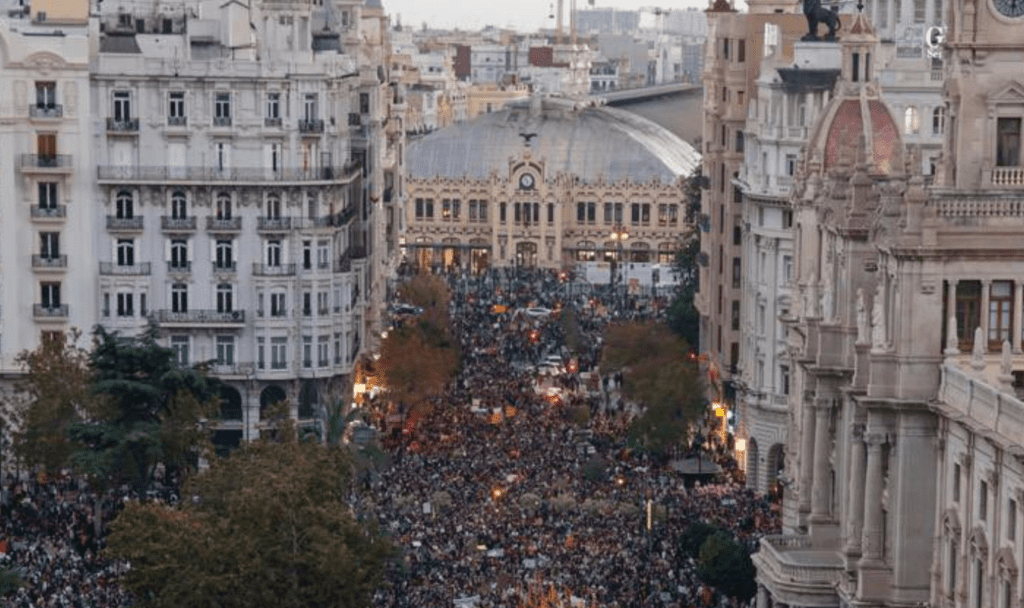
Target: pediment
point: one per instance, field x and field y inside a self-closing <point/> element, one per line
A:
<point x="1011" y="93"/>
<point x="45" y="61"/>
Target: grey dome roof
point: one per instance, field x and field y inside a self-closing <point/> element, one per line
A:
<point x="583" y="141"/>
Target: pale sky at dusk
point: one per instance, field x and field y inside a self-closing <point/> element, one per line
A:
<point x="524" y="15"/>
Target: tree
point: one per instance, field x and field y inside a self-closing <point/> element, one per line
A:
<point x="55" y="394"/>
<point x="726" y="565"/>
<point x="150" y="410"/>
<point x="693" y="538"/>
<point x="658" y="373"/>
<point x="682" y="314"/>
<point x="10" y="581"/>
<point x="570" y="321"/>
<point x="269" y="525"/>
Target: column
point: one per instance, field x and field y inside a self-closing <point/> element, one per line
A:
<point x="1018" y="305"/>
<point x="986" y="286"/>
<point x="856" y="516"/>
<point x="762" y="597"/>
<point x="806" y="457"/>
<point x="871" y="540"/>
<point x="951" y="314"/>
<point x="822" y="491"/>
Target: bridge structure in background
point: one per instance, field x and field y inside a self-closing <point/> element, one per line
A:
<point x="627" y="96"/>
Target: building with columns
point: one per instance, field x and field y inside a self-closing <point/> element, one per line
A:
<point x="546" y="183"/>
<point x="905" y="467"/>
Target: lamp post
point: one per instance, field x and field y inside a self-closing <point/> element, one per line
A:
<point x="620" y="234"/>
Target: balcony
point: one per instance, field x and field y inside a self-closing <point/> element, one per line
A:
<point x="49" y="213"/>
<point x="46" y="163"/>
<point x="49" y="262"/>
<point x="273" y="270"/>
<point x="50" y="311"/>
<point x="231" y="224"/>
<point x="51" y="111"/>
<point x="794" y="570"/>
<point x="177" y="224"/>
<point x="111" y="269"/>
<point x="182" y="267"/>
<point x="164" y="175"/>
<point x="311" y="126"/>
<point x="1008" y="177"/>
<point x="231" y="319"/>
<point x="177" y="121"/>
<point x="125" y="125"/>
<point x="222" y="121"/>
<point x="272" y="122"/>
<point x="225" y="267"/>
<point x="273" y="224"/>
<point x="124" y="224"/>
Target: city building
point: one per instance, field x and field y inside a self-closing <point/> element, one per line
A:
<point x="50" y="233"/>
<point x="904" y="481"/>
<point x="230" y="172"/>
<point x="553" y="183"/>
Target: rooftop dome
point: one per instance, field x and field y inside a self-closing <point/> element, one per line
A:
<point x="867" y="118"/>
<point x="579" y="139"/>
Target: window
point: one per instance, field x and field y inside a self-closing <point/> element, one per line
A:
<point x="956" y="482"/>
<point x="737" y="235"/>
<point x="224" y="297"/>
<point x="787" y="268"/>
<point x="983" y="501"/>
<point x="1000" y="306"/>
<point x="307" y="254"/>
<point x="223" y="156"/>
<point x="307" y="351"/>
<point x="483" y="210"/>
<point x="741" y="50"/>
<point x="106" y="304"/>
<point x="278" y="353"/>
<point x="46" y="146"/>
<point x="911" y="121"/>
<point x="47" y="195"/>
<point x="124" y="205"/>
<point x="791" y="165"/>
<point x="176" y="108"/>
<point x="125" y="252"/>
<point x="142" y="304"/>
<point x="179" y="205"/>
<point x="456" y="209"/>
<point x="122" y="106"/>
<point x="337" y="349"/>
<point x="551" y="213"/>
<point x="307" y="304"/>
<point x="273" y="207"/>
<point x="309" y="106"/>
<point x="501" y="212"/>
<point x="124" y="305"/>
<point x="787" y="218"/>
<point x="222" y="109"/>
<point x="735" y="314"/>
<point x="274" y="253"/>
<point x="736" y="275"/>
<point x="364" y="103"/>
<point x="618" y="213"/>
<point x="223" y="206"/>
<point x="322" y="307"/>
<point x="261" y="356"/>
<point x="277" y="304"/>
<point x="954" y="550"/>
<point x="430" y="209"/>
<point x="179" y="254"/>
<point x="179" y="297"/>
<point x="1011" y="519"/>
<point x="938" y="120"/>
<point x="179" y="344"/>
<point x="581" y="213"/>
<point x="855" y="67"/>
<point x="50" y="296"/>
<point x="446" y="209"/>
<point x="645" y="214"/>
<point x="419" y="209"/>
<point x="784" y="379"/>
<point x="273" y="105"/>
<point x="919" y="11"/>
<point x="49" y="245"/>
<point x="46" y="95"/>
<point x="979" y="582"/>
<point x="323" y="254"/>
<point x="1008" y="142"/>
<point x="223" y="250"/>
<point x="323" y="344"/>
<point x="225" y="350"/>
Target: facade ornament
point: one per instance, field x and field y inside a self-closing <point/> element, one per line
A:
<point x="811" y="297"/>
<point x="978" y="352"/>
<point x="952" y="343"/>
<point x="863" y="329"/>
<point x="878" y="319"/>
<point x="826" y="296"/>
<point x="1006" y="366"/>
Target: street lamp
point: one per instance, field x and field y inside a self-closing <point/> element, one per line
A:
<point x="620" y="234"/>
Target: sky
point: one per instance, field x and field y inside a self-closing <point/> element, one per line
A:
<point x="522" y="15"/>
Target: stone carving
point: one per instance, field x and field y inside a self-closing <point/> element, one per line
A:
<point x="1006" y="364"/>
<point x="952" y="343"/>
<point x="978" y="352"/>
<point x="863" y="329"/>
<point x="826" y="296"/>
<point x="815" y="14"/>
<point x="878" y="319"/>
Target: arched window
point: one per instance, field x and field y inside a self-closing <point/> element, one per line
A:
<point x="125" y="205"/>
<point x="223" y="206"/>
<point x="938" y="120"/>
<point x="273" y="207"/>
<point x="179" y="205"/>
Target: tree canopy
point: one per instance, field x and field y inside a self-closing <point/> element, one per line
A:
<point x="267" y="526"/>
<point x="658" y="373"/>
<point x="725" y="564"/>
<point x="149" y="410"/>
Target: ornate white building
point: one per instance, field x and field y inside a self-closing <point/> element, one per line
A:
<point x="230" y="171"/>
<point x="546" y="183"/>
<point x="905" y="469"/>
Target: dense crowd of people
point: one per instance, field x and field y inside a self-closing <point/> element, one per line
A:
<point x="502" y="488"/>
<point x="505" y="484"/>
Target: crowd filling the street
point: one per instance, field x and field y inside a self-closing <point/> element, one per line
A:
<point x="516" y="482"/>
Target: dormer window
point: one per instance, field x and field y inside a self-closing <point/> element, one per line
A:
<point x="1008" y="142"/>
